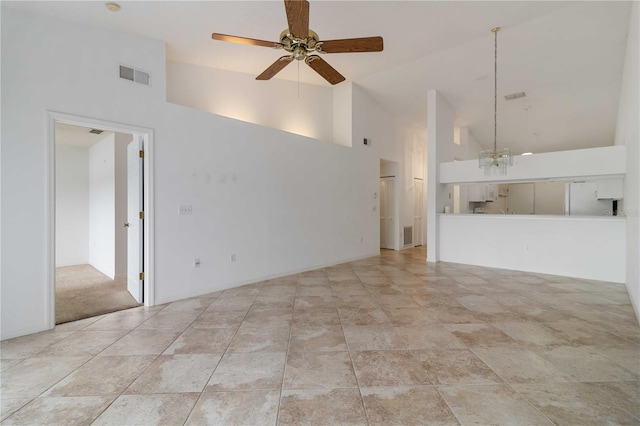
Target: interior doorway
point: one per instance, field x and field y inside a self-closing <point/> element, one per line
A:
<point x="388" y="205"/>
<point x="100" y="218"/>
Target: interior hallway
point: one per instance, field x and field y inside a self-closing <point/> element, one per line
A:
<point x="381" y="340"/>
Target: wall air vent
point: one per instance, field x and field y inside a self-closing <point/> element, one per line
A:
<point x="408" y="236"/>
<point x="96" y="131"/>
<point x="134" y="75"/>
<point x="515" y="96"/>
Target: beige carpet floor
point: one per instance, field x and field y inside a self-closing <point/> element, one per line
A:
<point x="82" y="292"/>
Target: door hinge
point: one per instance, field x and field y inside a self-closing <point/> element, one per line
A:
<point x="141" y="215"/>
<point x="141" y="154"/>
<point x="141" y="276"/>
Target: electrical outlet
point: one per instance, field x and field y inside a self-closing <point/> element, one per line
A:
<point x="233" y="257"/>
<point x="186" y="210"/>
<point x="196" y="263"/>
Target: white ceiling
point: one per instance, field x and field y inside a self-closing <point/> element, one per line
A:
<point x="567" y="56"/>
<point x="68" y="134"/>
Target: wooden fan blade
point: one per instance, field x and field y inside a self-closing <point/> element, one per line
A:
<point x="324" y="69"/>
<point x="298" y="17"/>
<point x="244" y="40"/>
<point x="275" y="68"/>
<point x="348" y="45"/>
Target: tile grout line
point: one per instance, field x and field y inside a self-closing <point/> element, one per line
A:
<point x="204" y="388"/>
<point x="151" y="363"/>
<point x="80" y="366"/>
<point x="286" y="356"/>
<point x="353" y="366"/>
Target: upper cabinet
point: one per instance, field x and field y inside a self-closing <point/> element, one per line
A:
<point x="610" y="189"/>
<point x="482" y="193"/>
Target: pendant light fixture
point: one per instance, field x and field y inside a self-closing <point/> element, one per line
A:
<point x="495" y="162"/>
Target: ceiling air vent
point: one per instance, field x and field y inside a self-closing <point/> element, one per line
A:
<point x="96" y="131"/>
<point x="515" y="96"/>
<point x="134" y="75"/>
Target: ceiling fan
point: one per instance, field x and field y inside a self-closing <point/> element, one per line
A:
<point x="301" y="43"/>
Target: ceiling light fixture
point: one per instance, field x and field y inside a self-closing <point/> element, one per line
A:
<point x="526" y="153"/>
<point x="113" y="7"/>
<point x="495" y="162"/>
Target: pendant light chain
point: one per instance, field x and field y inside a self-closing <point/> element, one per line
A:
<point x="494" y="161"/>
<point x="495" y="90"/>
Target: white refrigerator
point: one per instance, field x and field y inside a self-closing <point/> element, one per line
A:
<point x="581" y="199"/>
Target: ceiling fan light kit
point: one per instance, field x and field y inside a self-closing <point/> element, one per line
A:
<point x="495" y="162"/>
<point x="303" y="44"/>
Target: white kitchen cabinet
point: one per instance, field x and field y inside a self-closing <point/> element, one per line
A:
<point x="482" y="193"/>
<point x="492" y="192"/>
<point x="610" y="189"/>
<point x="477" y="193"/>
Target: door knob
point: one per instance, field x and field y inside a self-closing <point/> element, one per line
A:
<point x="126" y="225"/>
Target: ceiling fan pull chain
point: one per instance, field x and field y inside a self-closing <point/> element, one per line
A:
<point x="298" y="79"/>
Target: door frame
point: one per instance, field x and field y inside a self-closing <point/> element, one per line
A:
<point x="54" y="117"/>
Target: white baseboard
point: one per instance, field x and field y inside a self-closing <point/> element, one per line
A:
<point x="235" y="284"/>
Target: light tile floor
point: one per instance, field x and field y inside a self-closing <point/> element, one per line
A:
<point x="385" y="340"/>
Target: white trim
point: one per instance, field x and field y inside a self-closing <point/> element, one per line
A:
<point x="50" y="173"/>
<point x="50" y="224"/>
<point x="149" y="223"/>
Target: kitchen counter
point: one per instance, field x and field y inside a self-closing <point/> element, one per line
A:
<point x="589" y="247"/>
<point x="532" y="216"/>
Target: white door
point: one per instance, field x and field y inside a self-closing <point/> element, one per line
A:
<point x="135" y="236"/>
<point x="417" y="212"/>
<point x="387" y="197"/>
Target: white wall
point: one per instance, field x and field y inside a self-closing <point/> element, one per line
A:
<point x="440" y="146"/>
<point x="274" y="103"/>
<point x="627" y="134"/>
<point x="589" y="248"/>
<point x="520" y="199"/>
<point x="549" y="198"/>
<point x="467" y="149"/>
<point x="121" y="142"/>
<point x="392" y="140"/>
<point x="102" y="206"/>
<point x="69" y="67"/>
<point x="281" y="202"/>
<point x="72" y="205"/>
<point x="580" y="163"/>
<point x="343" y="113"/>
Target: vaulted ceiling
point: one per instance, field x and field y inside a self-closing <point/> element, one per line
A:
<point x="566" y="56"/>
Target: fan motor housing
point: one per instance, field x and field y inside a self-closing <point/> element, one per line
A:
<point x="299" y="47"/>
